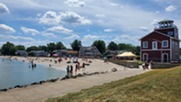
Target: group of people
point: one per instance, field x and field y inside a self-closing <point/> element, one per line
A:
<point x="147" y="65"/>
<point x="70" y="68"/>
<point x="33" y="65"/>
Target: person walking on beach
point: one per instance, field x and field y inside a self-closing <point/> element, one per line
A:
<point x="83" y="66"/>
<point x="71" y="70"/>
<point x="76" y="68"/>
<point x="68" y="71"/>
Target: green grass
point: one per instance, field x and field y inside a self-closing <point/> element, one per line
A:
<point x="161" y="85"/>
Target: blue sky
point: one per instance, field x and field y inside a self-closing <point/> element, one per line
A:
<point x="38" y="22"/>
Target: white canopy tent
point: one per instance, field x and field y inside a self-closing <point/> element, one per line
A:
<point x="126" y="54"/>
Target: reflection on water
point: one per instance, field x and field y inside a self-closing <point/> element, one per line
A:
<point x="13" y="72"/>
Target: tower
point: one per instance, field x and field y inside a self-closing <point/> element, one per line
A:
<point x="167" y="27"/>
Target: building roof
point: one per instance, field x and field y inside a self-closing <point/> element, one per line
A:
<point x="126" y="54"/>
<point x="158" y="33"/>
<point x="166" y="20"/>
<point x="89" y="51"/>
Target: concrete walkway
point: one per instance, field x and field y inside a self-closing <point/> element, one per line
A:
<point x="39" y="93"/>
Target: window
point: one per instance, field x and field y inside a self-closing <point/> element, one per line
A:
<point x="145" y="44"/>
<point x="165" y="43"/>
<point x="170" y="33"/>
<point x="154" y="45"/>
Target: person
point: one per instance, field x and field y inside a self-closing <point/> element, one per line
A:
<point x="150" y="64"/>
<point x="146" y="65"/>
<point x="71" y="70"/>
<point x="68" y="70"/>
<point x="50" y="65"/>
<point x="59" y="59"/>
<point x="83" y="65"/>
<point x="76" y="68"/>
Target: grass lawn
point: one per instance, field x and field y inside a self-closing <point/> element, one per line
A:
<point x="161" y="85"/>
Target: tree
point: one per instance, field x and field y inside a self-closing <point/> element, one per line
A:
<point x="42" y="47"/>
<point x="76" y="44"/>
<point x="122" y="46"/>
<point x="32" y="48"/>
<point x="51" y="47"/>
<point x="128" y="47"/>
<point x="137" y="50"/>
<point x="59" y="45"/>
<point x="100" y="44"/>
<point x="20" y="47"/>
<point x="112" y="46"/>
<point x="8" y="49"/>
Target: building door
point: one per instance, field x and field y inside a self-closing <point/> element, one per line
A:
<point x="165" y="57"/>
<point x="145" y="57"/>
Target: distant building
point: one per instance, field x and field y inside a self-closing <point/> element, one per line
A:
<point x="62" y="53"/>
<point x="110" y="53"/>
<point x="39" y="53"/>
<point x="21" y="53"/>
<point x="89" y="52"/>
<point x="162" y="44"/>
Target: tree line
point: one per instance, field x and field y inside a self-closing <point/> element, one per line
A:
<point x="9" y="48"/>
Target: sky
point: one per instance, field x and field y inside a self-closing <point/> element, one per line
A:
<point x="39" y="22"/>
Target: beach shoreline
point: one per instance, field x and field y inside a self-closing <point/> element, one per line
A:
<point x="93" y="65"/>
<point x="97" y="73"/>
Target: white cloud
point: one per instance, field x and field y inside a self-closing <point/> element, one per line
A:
<point x="170" y="8"/>
<point x="46" y="34"/>
<point x="20" y="38"/>
<point x="100" y="15"/>
<point x="154" y="22"/>
<point x="114" y="4"/>
<point x="30" y="30"/>
<point x="69" y="17"/>
<point x="145" y="29"/>
<point x="128" y="39"/>
<point x="3" y="8"/>
<point x="60" y="29"/>
<point x="74" y="18"/>
<point x="50" y="18"/>
<point x="108" y="30"/>
<point x="75" y="3"/>
<point x="6" y="28"/>
<point x="72" y="37"/>
<point x="88" y="39"/>
<point x="157" y="12"/>
<point x="37" y="42"/>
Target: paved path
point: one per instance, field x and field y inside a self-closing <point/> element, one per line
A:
<point x="39" y="93"/>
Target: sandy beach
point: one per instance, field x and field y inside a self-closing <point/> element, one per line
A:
<point x="38" y="93"/>
<point x="95" y="65"/>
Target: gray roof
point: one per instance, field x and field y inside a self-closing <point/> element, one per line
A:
<point x="165" y="20"/>
<point x="93" y="51"/>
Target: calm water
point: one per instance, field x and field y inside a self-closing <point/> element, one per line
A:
<point x="14" y="73"/>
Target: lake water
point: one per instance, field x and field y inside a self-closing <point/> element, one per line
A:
<point x="15" y="72"/>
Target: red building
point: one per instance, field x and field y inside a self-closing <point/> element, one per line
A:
<point x="162" y="44"/>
